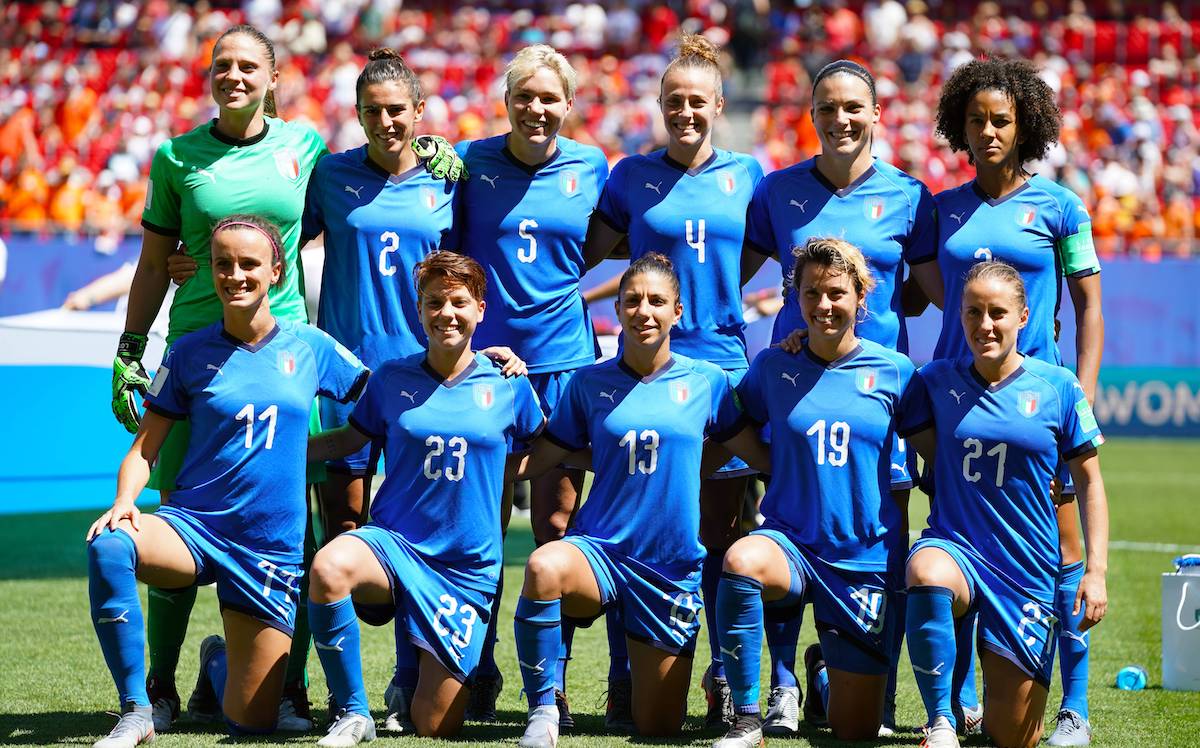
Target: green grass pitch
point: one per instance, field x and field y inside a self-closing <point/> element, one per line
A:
<point x="54" y="688"/>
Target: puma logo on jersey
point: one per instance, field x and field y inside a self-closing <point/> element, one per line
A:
<point x="958" y="396"/>
<point x="410" y="395"/>
<point x="213" y="367"/>
<point x="354" y="192"/>
<point x="609" y="395"/>
<point x="489" y="180"/>
<point x="790" y="377"/>
<point x="533" y="668"/>
<point x="798" y="204"/>
<point x="205" y="173"/>
<point x="935" y="671"/>
<point x="957" y="217"/>
<point x="732" y="652"/>
<point x="335" y="647"/>
<point x="656" y="187"/>
<point x="898" y="468"/>
<point x="1081" y="638"/>
<point x="122" y="618"/>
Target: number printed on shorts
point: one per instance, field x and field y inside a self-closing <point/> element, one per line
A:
<point x="460" y="636"/>
<point x="682" y="618"/>
<point x="1035" y="617"/>
<point x="974" y="449"/>
<point x="648" y="463"/>
<point x="285" y="578"/>
<point x="872" y="605"/>
<point x="452" y="453"/>
<point x="269" y="414"/>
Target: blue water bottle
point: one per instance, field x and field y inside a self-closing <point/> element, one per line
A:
<point x="1131" y="678"/>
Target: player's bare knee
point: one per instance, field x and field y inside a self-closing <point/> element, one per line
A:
<point x="544" y="573"/>
<point x="658" y="723"/>
<point x="433" y="724"/>
<point x="330" y="575"/>
<point x="744" y="560"/>
<point x="930" y="567"/>
<point x="853" y="728"/>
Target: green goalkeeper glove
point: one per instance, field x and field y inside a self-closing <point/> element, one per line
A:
<point x="440" y="159"/>
<point x="129" y="376"/>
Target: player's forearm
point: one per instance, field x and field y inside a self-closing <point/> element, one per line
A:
<point x="545" y="455"/>
<point x="1089" y="346"/>
<point x="1093" y="514"/>
<point x="133" y="475"/>
<point x="336" y="443"/>
<point x="146" y="294"/>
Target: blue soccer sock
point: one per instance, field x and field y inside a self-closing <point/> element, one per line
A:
<point x="335" y="634"/>
<point x="740" y="618"/>
<point x="822" y="679"/>
<point x="782" y="623"/>
<point x="216" y="667"/>
<point x="966" y="695"/>
<point x="487" y="658"/>
<point x="117" y="612"/>
<point x="930" y="625"/>
<point x="618" y="648"/>
<point x="1072" y="645"/>
<point x="408" y="662"/>
<point x="537" y="629"/>
<point x="710" y="580"/>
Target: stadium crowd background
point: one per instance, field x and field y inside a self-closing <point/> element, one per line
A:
<point x="89" y="88"/>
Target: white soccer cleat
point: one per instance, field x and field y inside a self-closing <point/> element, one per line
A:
<point x="783" y="711"/>
<point x="399" y="710"/>
<point x="746" y="732"/>
<point x="940" y="734"/>
<point x="542" y="729"/>
<point x="1072" y="729"/>
<point x="971" y="722"/>
<point x="351" y="728"/>
<point x="135" y="726"/>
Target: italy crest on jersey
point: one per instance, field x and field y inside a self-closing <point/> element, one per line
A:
<point x="873" y="208"/>
<point x="485" y="395"/>
<point x="287" y="363"/>
<point x="866" y="380"/>
<point x="287" y="163"/>
<point x="726" y="181"/>
<point x="428" y="198"/>
<point x="680" y="392"/>
<point x="568" y="183"/>
<point x="1027" y="403"/>
<point x="1026" y="216"/>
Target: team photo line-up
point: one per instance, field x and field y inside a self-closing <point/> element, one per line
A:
<point x="453" y="340"/>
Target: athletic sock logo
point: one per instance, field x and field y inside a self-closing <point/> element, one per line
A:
<point x="936" y="670"/>
<point x="732" y="652"/>
<point x="533" y="668"/>
<point x="335" y="647"/>
<point x="122" y="618"/>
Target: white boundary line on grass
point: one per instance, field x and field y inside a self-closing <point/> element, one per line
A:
<point x="1136" y="545"/>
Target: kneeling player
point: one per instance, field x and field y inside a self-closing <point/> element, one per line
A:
<point x="635" y="541"/>
<point x="431" y="555"/>
<point x="830" y="517"/>
<point x="1001" y="422"/>
<point x="246" y="384"/>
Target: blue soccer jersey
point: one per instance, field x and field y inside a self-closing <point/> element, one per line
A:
<point x="646" y="435"/>
<point x="249" y="406"/>
<point x="446" y="442"/>
<point x="998" y="447"/>
<point x="1041" y="229"/>
<point x="885" y="213"/>
<point x="526" y="225"/>
<point x="697" y="218"/>
<point x="377" y="227"/>
<point x="832" y="427"/>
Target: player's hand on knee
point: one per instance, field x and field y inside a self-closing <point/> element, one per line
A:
<point x="511" y="365"/>
<point x="181" y="266"/>
<point x="129" y="377"/>
<point x="121" y="510"/>
<point x="1092" y="599"/>
<point x="439" y="158"/>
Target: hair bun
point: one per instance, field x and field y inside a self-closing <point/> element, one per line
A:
<point x="383" y="53"/>
<point x="697" y="45"/>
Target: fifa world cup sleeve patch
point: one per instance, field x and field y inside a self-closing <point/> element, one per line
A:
<point x="160" y="379"/>
<point x="1079" y="252"/>
<point x="149" y="192"/>
<point x="1087" y="418"/>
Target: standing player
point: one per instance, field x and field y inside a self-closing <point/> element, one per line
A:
<point x="689" y="201"/>
<point x="1001" y="424"/>
<point x="524" y="217"/>
<point x="1003" y="115"/>
<point x="448" y="419"/>
<point x="847" y="193"/>
<point x="247" y="383"/>
<point x="634" y="544"/>
<point x="831" y="409"/>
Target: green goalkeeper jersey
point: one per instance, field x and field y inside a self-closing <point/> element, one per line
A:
<point x="199" y="178"/>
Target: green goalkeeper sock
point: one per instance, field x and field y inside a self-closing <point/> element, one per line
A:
<point x="166" y="627"/>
